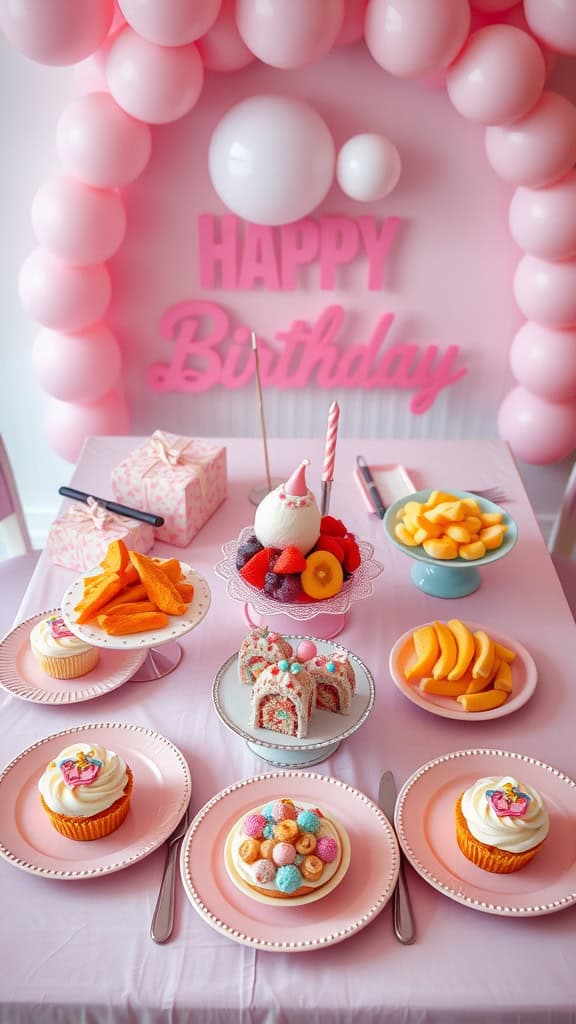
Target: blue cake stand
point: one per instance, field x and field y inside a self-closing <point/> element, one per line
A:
<point x="456" y="577"/>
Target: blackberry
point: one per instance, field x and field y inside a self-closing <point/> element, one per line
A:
<point x="245" y="551"/>
<point x="284" y="588"/>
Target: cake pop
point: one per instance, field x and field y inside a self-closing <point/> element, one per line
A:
<point x="289" y="515"/>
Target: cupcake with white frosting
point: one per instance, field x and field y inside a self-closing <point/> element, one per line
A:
<point x="60" y="653"/>
<point x="86" y="791"/>
<point x="501" y="823"/>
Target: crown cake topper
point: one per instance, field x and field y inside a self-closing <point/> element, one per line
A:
<point x="508" y="802"/>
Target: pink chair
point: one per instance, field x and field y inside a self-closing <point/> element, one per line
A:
<point x="17" y="557"/>
<point x="563" y="539"/>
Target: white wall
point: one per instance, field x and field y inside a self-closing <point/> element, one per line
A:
<point x="32" y="99"/>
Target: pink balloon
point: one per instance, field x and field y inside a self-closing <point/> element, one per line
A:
<point x="416" y="37"/>
<point x="56" y="31"/>
<point x="554" y="22"/>
<point x="77" y="223"/>
<point x="517" y="18"/>
<point x="170" y="22"/>
<point x="538" y="149"/>
<point x="543" y="220"/>
<point x="539" y="432"/>
<point x="544" y="361"/>
<point x="289" y="35"/>
<point x="153" y="83"/>
<point x="67" y="425"/>
<point x="498" y="76"/>
<point x="222" y="48"/>
<point x="271" y="159"/>
<point x="493" y="6"/>
<point x="100" y="143"/>
<point x="79" y="367"/>
<point x="352" y="29"/>
<point x="61" y="296"/>
<point x="546" y="292"/>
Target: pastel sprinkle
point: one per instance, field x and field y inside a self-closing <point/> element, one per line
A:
<point x="326" y="849"/>
<point x="288" y="878"/>
<point x="254" y="825"/>
<point x="307" y="821"/>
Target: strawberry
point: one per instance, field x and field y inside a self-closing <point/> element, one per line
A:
<point x="352" y="557"/>
<point x="333" y="527"/>
<point x="256" y="567"/>
<point x="290" y="560"/>
<point x="326" y="542"/>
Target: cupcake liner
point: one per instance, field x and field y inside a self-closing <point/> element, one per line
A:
<point x="489" y="858"/>
<point x="98" y="825"/>
<point x="70" y="666"/>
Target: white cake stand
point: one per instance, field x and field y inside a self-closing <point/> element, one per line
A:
<point x="327" y="617"/>
<point x="163" y="651"/>
<point x="326" y="731"/>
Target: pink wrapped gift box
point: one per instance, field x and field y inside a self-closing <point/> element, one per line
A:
<point x="79" y="539"/>
<point x="180" y="478"/>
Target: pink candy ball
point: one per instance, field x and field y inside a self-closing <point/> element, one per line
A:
<point x="263" y="871"/>
<point x="283" y="853"/>
<point x="326" y="849"/>
<point x="306" y="650"/>
<point x="283" y="811"/>
<point x="254" y="825"/>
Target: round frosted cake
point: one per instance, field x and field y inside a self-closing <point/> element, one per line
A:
<point x="86" y="791"/>
<point x="60" y="653"/>
<point x="285" y="850"/>
<point x="501" y="823"/>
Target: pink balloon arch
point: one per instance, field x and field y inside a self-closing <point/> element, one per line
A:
<point x="141" y="63"/>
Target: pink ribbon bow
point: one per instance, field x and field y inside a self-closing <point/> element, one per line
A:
<point x="92" y="514"/>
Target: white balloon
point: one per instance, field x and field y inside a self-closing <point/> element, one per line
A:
<point x="368" y="167"/>
<point x="271" y="159"/>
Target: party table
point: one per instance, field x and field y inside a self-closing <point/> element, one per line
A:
<point x="80" y="952"/>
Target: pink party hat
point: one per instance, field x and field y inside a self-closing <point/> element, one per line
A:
<point x="296" y="485"/>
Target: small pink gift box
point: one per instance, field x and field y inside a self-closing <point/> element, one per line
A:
<point x="180" y="478"/>
<point x="79" y="539"/>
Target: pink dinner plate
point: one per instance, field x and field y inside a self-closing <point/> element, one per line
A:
<point x="360" y="896"/>
<point x="160" y="796"/>
<point x="22" y="676"/>
<point x="177" y="626"/>
<point x="524" y="679"/>
<point x="424" y="819"/>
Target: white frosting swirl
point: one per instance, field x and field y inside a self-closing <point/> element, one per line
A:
<point x="45" y="644"/>
<point x="84" y="800"/>
<point x="516" y="834"/>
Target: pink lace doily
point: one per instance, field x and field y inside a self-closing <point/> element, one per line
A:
<point x="360" y="586"/>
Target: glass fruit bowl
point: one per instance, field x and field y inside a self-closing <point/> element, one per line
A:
<point x="454" y="577"/>
<point x="329" y="613"/>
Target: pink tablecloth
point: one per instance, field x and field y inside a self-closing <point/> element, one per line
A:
<point x="80" y="952"/>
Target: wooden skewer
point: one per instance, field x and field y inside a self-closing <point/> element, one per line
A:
<point x="261" y="408"/>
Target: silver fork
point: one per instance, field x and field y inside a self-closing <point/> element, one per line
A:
<point x="163" y="917"/>
<point x="494" y="494"/>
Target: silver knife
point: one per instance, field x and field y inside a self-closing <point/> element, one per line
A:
<point x="163" y="918"/>
<point x="402" y="910"/>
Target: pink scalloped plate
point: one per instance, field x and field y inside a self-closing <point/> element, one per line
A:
<point x="22" y="676"/>
<point x="359" y="587"/>
<point x="424" y="819"/>
<point x="523" y="668"/>
<point x="358" y="899"/>
<point x="160" y="796"/>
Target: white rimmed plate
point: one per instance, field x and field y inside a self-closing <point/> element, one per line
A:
<point x="22" y="676"/>
<point x="426" y="830"/>
<point x="232" y="702"/>
<point x="160" y="796"/>
<point x="524" y="679"/>
<point x="178" y="624"/>
<point x="355" y="902"/>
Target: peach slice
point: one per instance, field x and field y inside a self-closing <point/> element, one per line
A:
<point x="323" y="576"/>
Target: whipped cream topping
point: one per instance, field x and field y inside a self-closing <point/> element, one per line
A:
<point x="105" y="780"/>
<point x="44" y="642"/>
<point x="503" y="812"/>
